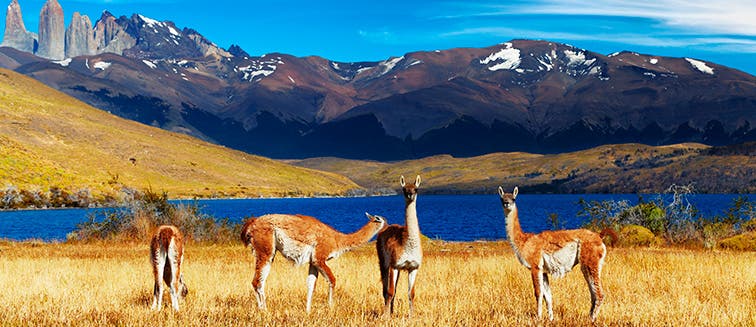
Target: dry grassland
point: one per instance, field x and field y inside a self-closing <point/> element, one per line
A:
<point x="460" y="284"/>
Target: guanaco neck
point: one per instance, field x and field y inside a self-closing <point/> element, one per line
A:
<point x="361" y="236"/>
<point x="410" y="220"/>
<point x="514" y="232"/>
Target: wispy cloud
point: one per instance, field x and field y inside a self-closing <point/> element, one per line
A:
<point x="702" y="16"/>
<point x="699" y="16"/>
<point x="707" y="25"/>
<point x="722" y="43"/>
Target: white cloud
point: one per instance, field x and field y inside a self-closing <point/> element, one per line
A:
<point x="700" y="16"/>
<point x="713" y="43"/>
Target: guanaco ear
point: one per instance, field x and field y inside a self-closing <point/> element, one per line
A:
<point x="401" y="181"/>
<point x="501" y="191"/>
<point x="514" y="193"/>
<point x="417" y="181"/>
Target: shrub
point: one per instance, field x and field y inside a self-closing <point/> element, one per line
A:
<point x="602" y="214"/>
<point x="743" y="242"/>
<point x="713" y="232"/>
<point x="648" y="215"/>
<point x="635" y="235"/>
<point x="10" y="197"/>
<point x="147" y="210"/>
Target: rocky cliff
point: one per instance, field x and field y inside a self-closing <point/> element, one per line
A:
<point x="80" y="37"/>
<point x="110" y="35"/>
<point x="52" y="31"/>
<point x="16" y="35"/>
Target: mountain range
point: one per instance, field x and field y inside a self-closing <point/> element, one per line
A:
<point x="522" y="95"/>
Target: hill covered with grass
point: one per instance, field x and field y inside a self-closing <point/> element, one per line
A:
<point x="623" y="168"/>
<point x="51" y="141"/>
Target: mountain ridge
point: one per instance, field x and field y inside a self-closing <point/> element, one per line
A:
<point x="616" y="168"/>
<point x="549" y="97"/>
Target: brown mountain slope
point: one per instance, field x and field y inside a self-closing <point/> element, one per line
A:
<point x="48" y="139"/>
<point x="623" y="168"/>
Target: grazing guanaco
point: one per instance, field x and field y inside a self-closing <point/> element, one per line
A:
<point x="555" y="253"/>
<point x="166" y="256"/>
<point x="301" y="239"/>
<point x="399" y="248"/>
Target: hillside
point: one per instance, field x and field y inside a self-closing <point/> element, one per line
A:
<point x="48" y="139"/>
<point x="623" y="168"/>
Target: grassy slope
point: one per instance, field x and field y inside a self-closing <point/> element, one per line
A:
<point x="611" y="168"/>
<point x="460" y="284"/>
<point x="50" y="139"/>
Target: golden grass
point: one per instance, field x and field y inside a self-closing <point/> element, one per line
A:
<point x="460" y="284"/>
<point x="50" y="139"/>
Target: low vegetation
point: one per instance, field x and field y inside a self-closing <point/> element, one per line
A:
<point x="672" y="219"/>
<point x="620" y="168"/>
<point x="144" y="211"/>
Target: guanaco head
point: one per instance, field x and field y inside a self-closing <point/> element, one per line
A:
<point x="377" y="220"/>
<point x="246" y="231"/>
<point x="409" y="190"/>
<point x="508" y="199"/>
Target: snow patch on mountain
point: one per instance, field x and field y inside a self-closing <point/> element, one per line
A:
<point x="388" y="65"/>
<point x="64" y="62"/>
<point x="701" y="66"/>
<point x="359" y="71"/>
<point x="149" y="63"/>
<point x="259" y="68"/>
<point x="173" y="31"/>
<point x="414" y="62"/>
<point x="150" y="22"/>
<point x="577" y="58"/>
<point x="546" y="62"/>
<point x="509" y="57"/>
<point x="103" y="65"/>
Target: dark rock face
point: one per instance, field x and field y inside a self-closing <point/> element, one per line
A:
<point x="80" y="37"/>
<point x="16" y="35"/>
<point x="110" y="35"/>
<point x="52" y="31"/>
<point x="237" y="51"/>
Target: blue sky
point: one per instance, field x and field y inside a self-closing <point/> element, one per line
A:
<point x="722" y="32"/>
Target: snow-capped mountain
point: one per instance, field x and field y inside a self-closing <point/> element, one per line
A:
<point x="522" y="95"/>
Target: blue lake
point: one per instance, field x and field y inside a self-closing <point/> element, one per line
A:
<point x="447" y="217"/>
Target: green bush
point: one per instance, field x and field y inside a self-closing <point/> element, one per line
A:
<point x="648" y="215"/>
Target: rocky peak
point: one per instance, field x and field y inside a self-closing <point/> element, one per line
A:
<point x="16" y="35"/>
<point x="80" y="37"/>
<point x="52" y="31"/>
<point x="206" y="47"/>
<point x="110" y="35"/>
<point x="237" y="51"/>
